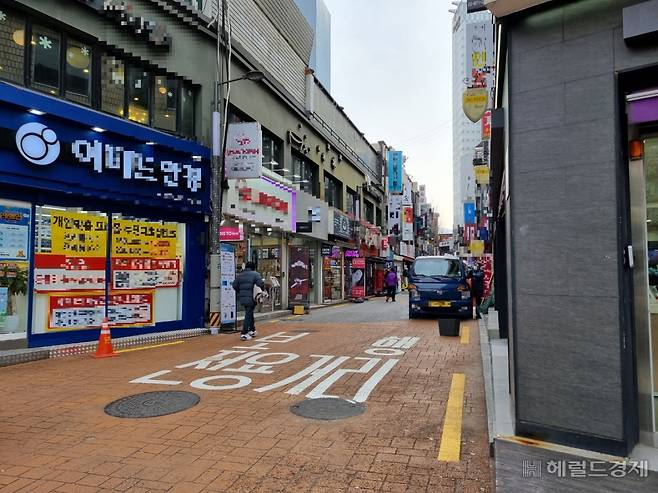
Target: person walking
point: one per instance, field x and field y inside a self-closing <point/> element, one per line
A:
<point x="244" y="287"/>
<point x="477" y="287"/>
<point x="391" y="282"/>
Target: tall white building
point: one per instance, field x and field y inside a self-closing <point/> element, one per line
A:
<point x="465" y="134"/>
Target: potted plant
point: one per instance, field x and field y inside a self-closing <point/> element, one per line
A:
<point x="15" y="280"/>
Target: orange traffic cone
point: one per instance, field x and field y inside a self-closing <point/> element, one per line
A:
<point x="105" y="342"/>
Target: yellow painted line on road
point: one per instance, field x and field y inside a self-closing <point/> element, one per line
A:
<point x="149" y="347"/>
<point x="294" y="317"/>
<point x="465" y="334"/>
<point x="451" y="438"/>
<point x="274" y="321"/>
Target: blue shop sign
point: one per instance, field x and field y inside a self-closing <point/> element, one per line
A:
<point x="71" y="149"/>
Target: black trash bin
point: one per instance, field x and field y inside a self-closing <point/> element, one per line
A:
<point x="449" y="326"/>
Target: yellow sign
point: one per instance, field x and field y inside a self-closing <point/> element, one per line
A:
<point x="143" y="239"/>
<point x="477" y="247"/>
<point x="78" y="235"/>
<point x="481" y="174"/>
<point x="475" y="102"/>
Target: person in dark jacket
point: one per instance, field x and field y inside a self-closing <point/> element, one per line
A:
<point x="477" y="287"/>
<point x="244" y="287"/>
<point x="391" y="282"/>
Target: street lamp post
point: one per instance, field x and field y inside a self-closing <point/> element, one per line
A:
<point x="217" y="169"/>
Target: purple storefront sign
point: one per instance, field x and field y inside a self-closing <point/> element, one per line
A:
<point x="643" y="110"/>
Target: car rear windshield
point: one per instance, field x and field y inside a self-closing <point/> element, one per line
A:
<point x="433" y="267"/>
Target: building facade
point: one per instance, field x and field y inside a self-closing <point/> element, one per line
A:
<point x="105" y="189"/>
<point x="574" y="181"/>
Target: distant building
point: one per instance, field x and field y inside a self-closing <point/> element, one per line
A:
<point x="465" y="134"/>
<point x="319" y="18"/>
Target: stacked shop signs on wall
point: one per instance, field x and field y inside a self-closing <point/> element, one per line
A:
<point x="243" y="157"/>
<point x="479" y="69"/>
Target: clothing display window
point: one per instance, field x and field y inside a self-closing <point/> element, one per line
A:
<point x="332" y="268"/>
<point x="266" y="253"/>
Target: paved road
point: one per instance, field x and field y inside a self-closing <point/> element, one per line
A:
<point x="55" y="436"/>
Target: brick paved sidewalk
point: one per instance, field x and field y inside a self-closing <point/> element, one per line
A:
<point x="54" y="435"/>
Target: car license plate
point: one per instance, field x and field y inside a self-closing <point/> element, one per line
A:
<point x="439" y="304"/>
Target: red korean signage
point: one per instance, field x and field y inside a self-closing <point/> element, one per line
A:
<point x="247" y="194"/>
<point x="227" y="233"/>
<point x="68" y="311"/>
<point x="63" y="273"/>
<point x="145" y="273"/>
<point x="486" y="125"/>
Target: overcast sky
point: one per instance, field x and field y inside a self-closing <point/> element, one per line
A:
<point x="391" y="70"/>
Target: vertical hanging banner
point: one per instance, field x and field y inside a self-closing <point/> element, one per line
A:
<point x="227" y="276"/>
<point x="480" y="53"/>
<point x="14" y="232"/>
<point x="408" y="193"/>
<point x="358" y="283"/>
<point x="394" y="214"/>
<point x="486" y="125"/>
<point x="407" y="223"/>
<point x="78" y="235"/>
<point x="243" y="157"/>
<point x="481" y="174"/>
<point x="395" y="175"/>
<point x="299" y="274"/>
<point x="469" y="213"/>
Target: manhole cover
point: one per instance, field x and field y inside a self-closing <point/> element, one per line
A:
<point x="327" y="408"/>
<point x="151" y="404"/>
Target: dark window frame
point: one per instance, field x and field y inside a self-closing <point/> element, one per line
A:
<point x="337" y="201"/>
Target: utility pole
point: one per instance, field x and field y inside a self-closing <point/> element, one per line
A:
<point x="217" y="170"/>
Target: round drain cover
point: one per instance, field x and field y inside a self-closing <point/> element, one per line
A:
<point x="151" y="404"/>
<point x="327" y="408"/>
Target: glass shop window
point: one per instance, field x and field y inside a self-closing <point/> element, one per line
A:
<point x="139" y="108"/>
<point x="70" y="249"/>
<point x="147" y="261"/>
<point x="187" y="110"/>
<point x="305" y="174"/>
<point x="45" y="73"/>
<point x="352" y="202"/>
<point x="112" y="85"/>
<point x="78" y="72"/>
<point x="333" y="192"/>
<point x="12" y="43"/>
<point x="165" y="103"/>
<point x="272" y="154"/>
<point x="370" y="212"/>
<point x="15" y="221"/>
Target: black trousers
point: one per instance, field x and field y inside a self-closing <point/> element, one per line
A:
<point x="249" y="324"/>
<point x="477" y="297"/>
<point x="390" y="292"/>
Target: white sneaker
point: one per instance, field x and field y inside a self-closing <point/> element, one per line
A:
<point x="245" y="337"/>
<point x="252" y="333"/>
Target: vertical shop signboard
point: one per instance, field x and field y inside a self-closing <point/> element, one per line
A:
<point x="407" y="224"/>
<point x="299" y="274"/>
<point x="228" y="303"/>
<point x="395" y="174"/>
<point x="394" y="213"/>
<point x="358" y="278"/>
<point x="244" y="150"/>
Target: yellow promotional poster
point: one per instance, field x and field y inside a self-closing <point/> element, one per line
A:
<point x="477" y="247"/>
<point x="482" y="174"/>
<point x="474" y="103"/>
<point x="143" y="239"/>
<point x="78" y="235"/>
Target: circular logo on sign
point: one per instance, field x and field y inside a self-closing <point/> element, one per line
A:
<point x="37" y="143"/>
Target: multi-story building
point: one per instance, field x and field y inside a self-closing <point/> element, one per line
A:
<point x="574" y="160"/>
<point x="319" y="18"/>
<point x="465" y="134"/>
<point x="105" y="181"/>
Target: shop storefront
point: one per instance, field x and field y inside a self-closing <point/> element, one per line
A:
<point x="261" y="214"/>
<point x="337" y="266"/>
<point x="99" y="217"/>
<point x="369" y="248"/>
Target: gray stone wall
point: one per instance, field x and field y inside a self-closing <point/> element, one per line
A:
<point x="564" y="214"/>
